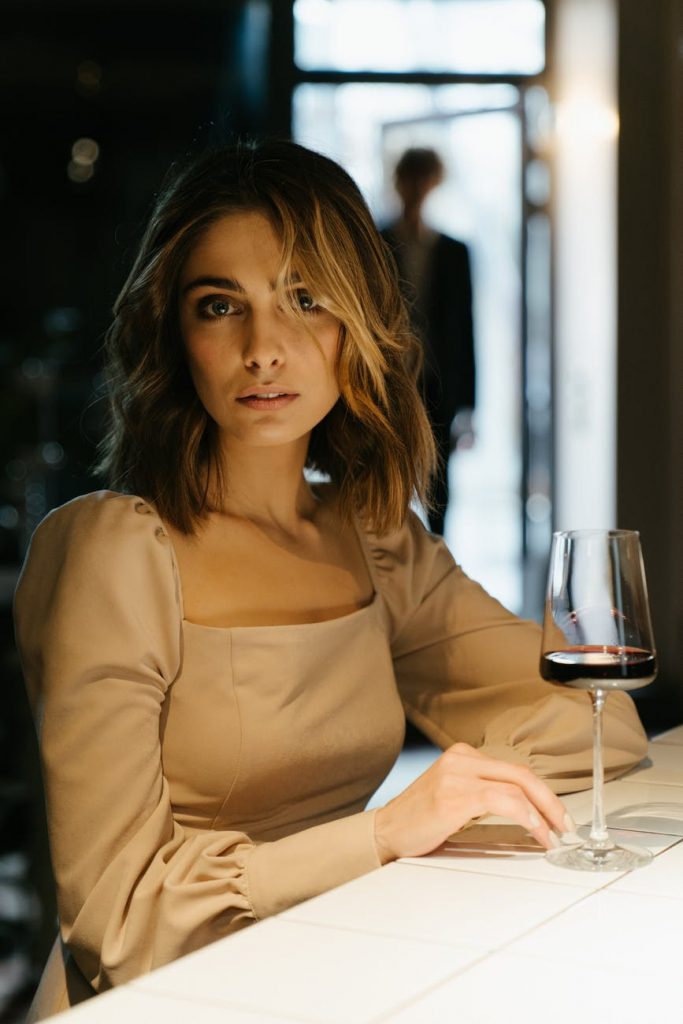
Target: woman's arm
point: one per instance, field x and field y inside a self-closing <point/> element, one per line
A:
<point x="467" y="670"/>
<point x="99" y="633"/>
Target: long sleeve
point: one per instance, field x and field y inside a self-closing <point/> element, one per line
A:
<point x="467" y="669"/>
<point x="99" y="631"/>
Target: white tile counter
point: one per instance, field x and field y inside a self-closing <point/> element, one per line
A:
<point x="467" y="939"/>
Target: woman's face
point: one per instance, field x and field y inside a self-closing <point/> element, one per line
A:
<point x="258" y="373"/>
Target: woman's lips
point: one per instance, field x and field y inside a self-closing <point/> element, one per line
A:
<point x="267" y="401"/>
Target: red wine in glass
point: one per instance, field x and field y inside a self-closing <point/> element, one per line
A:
<point x="597" y="636"/>
<point x="595" y="666"/>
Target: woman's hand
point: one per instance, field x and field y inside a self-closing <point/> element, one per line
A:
<point x="464" y="784"/>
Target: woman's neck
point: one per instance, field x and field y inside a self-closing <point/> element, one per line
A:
<point x="267" y="487"/>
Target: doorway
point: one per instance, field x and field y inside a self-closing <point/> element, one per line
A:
<point x="479" y="131"/>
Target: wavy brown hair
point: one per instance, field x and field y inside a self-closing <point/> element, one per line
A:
<point x="375" y="445"/>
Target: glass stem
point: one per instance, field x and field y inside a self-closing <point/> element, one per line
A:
<point x="599" y="836"/>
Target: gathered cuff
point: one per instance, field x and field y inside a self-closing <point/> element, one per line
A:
<point x="305" y="864"/>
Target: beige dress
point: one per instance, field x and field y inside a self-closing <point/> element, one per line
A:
<point x="198" y="779"/>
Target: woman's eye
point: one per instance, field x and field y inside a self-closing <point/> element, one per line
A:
<point x="306" y="302"/>
<point x="212" y="308"/>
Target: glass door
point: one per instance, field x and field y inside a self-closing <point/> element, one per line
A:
<point x="479" y="202"/>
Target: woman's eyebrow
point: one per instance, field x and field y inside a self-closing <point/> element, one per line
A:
<point x="228" y="283"/>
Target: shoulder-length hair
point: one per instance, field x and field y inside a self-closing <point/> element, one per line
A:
<point x="375" y="445"/>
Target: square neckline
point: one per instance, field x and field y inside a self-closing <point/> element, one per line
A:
<point x="371" y="605"/>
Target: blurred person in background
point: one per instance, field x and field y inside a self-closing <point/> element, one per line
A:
<point x="436" y="279"/>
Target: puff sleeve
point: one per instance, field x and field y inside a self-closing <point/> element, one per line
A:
<point x="99" y="631"/>
<point x="467" y="670"/>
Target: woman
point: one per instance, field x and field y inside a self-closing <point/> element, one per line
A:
<point x="220" y="654"/>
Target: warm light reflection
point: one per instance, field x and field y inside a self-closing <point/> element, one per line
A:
<point x="585" y="176"/>
<point x="584" y="117"/>
<point x="81" y="167"/>
<point x="85" y="151"/>
<point x="79" y="173"/>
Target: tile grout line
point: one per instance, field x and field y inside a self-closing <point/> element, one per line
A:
<point x="221" y="1004"/>
<point x="383" y="935"/>
<point x="491" y="953"/>
<point x="488" y="874"/>
<point x="487" y="954"/>
<point x="506" y="945"/>
<point x="639" y="831"/>
<point x="431" y="988"/>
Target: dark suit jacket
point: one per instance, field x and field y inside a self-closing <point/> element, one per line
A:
<point x="444" y="322"/>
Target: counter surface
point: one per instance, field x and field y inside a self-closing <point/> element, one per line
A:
<point x="480" y="939"/>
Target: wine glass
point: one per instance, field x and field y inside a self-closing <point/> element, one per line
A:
<point x="597" y="636"/>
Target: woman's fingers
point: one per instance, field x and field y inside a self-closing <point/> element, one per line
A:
<point x="547" y="804"/>
<point x="509" y="801"/>
<point x="463" y="784"/>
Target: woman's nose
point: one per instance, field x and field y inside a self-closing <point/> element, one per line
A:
<point x="263" y="343"/>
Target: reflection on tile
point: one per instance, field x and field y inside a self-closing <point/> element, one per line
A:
<point x="637" y="806"/>
<point x="663" y="766"/>
<point x="618" y="930"/>
<point x="536" y="867"/>
<point x="663" y="877"/>
<point x="506" y="987"/>
<point x="307" y="973"/>
<point x="645" y="807"/>
<point x="432" y="905"/>
<point x="655" y="842"/>
<point x="673" y="736"/>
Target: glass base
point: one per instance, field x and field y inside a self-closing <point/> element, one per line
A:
<point x="587" y="857"/>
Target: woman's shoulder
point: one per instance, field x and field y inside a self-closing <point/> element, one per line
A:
<point x="99" y="565"/>
<point x="105" y="527"/>
<point x="410" y="540"/>
<point x="409" y="556"/>
<point x="117" y="514"/>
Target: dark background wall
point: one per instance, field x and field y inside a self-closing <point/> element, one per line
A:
<point x="650" y="317"/>
<point x="146" y="81"/>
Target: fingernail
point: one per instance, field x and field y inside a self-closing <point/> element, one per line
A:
<point x="554" y="839"/>
<point x="570" y="838"/>
<point x="569" y="823"/>
<point x="534" y="820"/>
